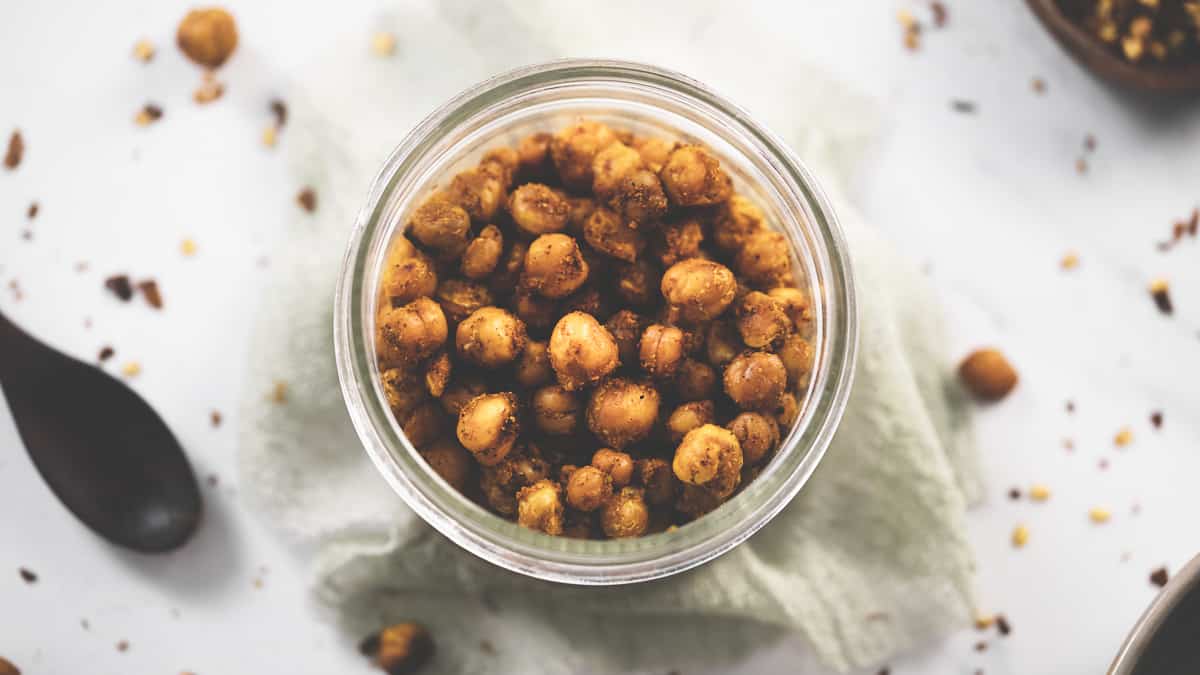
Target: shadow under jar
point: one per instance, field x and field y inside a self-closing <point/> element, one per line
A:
<point x="644" y="100"/>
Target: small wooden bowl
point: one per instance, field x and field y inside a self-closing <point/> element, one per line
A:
<point x="1096" y="57"/>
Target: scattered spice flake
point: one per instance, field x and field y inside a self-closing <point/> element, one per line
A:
<point x="1126" y="556"/>
<point x="149" y="114"/>
<point x="262" y="262"/>
<point x="131" y="369"/>
<point x="1102" y="464"/>
<point x="1069" y="261"/>
<point x="1081" y="166"/>
<point x="1014" y="494"/>
<point x="1068" y="445"/>
<point x="963" y="106"/>
<point x="1070" y="407"/>
<point x="878" y="616"/>
<point x="1003" y="625"/>
<point x="270" y="136"/>
<point x="280" y="111"/>
<point x="1135" y="509"/>
<point x="1039" y="493"/>
<point x="149" y="289"/>
<point x="279" y="392"/>
<point x="307" y="199"/>
<point x="27" y="575"/>
<point x="85" y="624"/>
<point x="487" y="647"/>
<point x="215" y="418"/>
<point x="81" y="266"/>
<point x="258" y="583"/>
<point x="106" y="353"/>
<point x="984" y="621"/>
<point x="143" y="50"/>
<point x="1193" y="223"/>
<point x="15" y="287"/>
<point x="16" y="150"/>
<point x="383" y="44"/>
<point x="1099" y="515"/>
<point x="939" y="13"/>
<point x="912" y="30"/>
<point x="32" y="211"/>
<point x="212" y="480"/>
<point x="1162" y="298"/>
<point x="1020" y="536"/>
<point x="1124" y="437"/>
<point x="1089" y="143"/>
<point x="87" y="323"/>
<point x="209" y="90"/>
<point x="123" y="646"/>
<point x="1159" y="577"/>
<point x="1039" y="85"/>
<point x="981" y="646"/>
<point x="187" y="247"/>
<point x="27" y="235"/>
<point x="1156" y="419"/>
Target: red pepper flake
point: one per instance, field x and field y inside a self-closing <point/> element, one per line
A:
<point x="81" y="266"/>
<point x="1193" y="224"/>
<point x="32" y="211"/>
<point x="1081" y="166"/>
<point x="1068" y="445"/>
<point x="939" y="13"/>
<point x="1089" y="143"/>
<point x="213" y="480"/>
<point x="1002" y="624"/>
<point x="1102" y="464"/>
<point x="1014" y="494"/>
<point x="307" y="199"/>
<point x="1039" y="85"/>
<point x="15" y="287"/>
<point x="106" y="353"/>
<point x="85" y="624"/>
<point x="215" y="418"/>
<point x="1159" y="577"/>
<point x="1156" y="419"/>
<point x="27" y="235"/>
<point x="27" y="575"/>
<point x="123" y="646"/>
<point x="1070" y="407"/>
<point x="16" y="150"/>
<point x="1162" y="298"/>
<point x="120" y="286"/>
<point x="981" y="646"/>
<point x="149" y="289"/>
<point x="963" y="106"/>
<point x="280" y="111"/>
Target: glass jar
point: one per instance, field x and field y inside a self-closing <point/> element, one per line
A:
<point x="643" y="99"/>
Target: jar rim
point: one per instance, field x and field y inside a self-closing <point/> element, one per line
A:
<point x="559" y="559"/>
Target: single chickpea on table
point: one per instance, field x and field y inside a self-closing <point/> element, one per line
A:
<point x="592" y="334"/>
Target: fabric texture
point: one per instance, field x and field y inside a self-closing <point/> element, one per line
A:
<point x="870" y="559"/>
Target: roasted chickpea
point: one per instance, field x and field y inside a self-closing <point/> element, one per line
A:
<point x="207" y="36"/>
<point x="501" y="483"/>
<point x="459" y="392"/>
<point x="507" y="275"/>
<point x="677" y="240"/>
<point x="693" y="177"/>
<point x="581" y="209"/>
<point x="755" y="380"/>
<point x="479" y="191"/>
<point x="787" y="411"/>
<point x="618" y="465"/>
<point x="588" y="488"/>
<point x="488" y="426"/>
<point x="587" y="300"/>
<point x="626" y="328"/>
<point x="410" y="333"/>
<point x="639" y="198"/>
<point x="423" y="424"/>
<point x="400" y="648"/>
<point x="403" y="391"/>
<point x="654" y="151"/>
<point x="408" y="274"/>
<point x="459" y="299"/>
<point x="533" y="367"/>
<point x="441" y="225"/>
<point x="451" y="461"/>
<point x="695" y="501"/>
<point x="709" y="457"/>
<point x="689" y="416"/>
<point x="638" y="283"/>
<point x="491" y="337"/>
<point x="502" y="157"/>
<point x="539" y="507"/>
<point x="764" y="259"/>
<point x="536" y="311"/>
<point x="797" y="356"/>
<point x="661" y="350"/>
<point x="722" y="343"/>
<point x="605" y="232"/>
<point x="610" y="166"/>
<point x="761" y="320"/>
<point x="796" y="304"/>
<point x="555" y="410"/>
<point x="533" y="153"/>
<point x="658" y="480"/>
<point x="538" y="209"/>
<point x="625" y="514"/>
<point x="579" y="526"/>
<point x="437" y="374"/>
<point x="582" y="352"/>
<point x="698" y="290"/>
<point x="482" y="254"/>
<point x="621" y="412"/>
<point x="574" y="148"/>
<point x="554" y="266"/>
<point x="736" y="220"/>
<point x="757" y="434"/>
<point x="695" y="380"/>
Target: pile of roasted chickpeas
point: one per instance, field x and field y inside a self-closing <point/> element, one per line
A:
<point x="592" y="334"/>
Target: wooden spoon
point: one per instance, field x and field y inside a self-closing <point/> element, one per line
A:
<point x="103" y="451"/>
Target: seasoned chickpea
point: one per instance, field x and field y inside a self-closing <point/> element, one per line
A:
<point x="539" y="507"/>
<point x="616" y="464"/>
<point x="689" y="416"/>
<point x="451" y="461"/>
<point x="587" y="300"/>
<point x="533" y="367"/>
<point x="581" y="209"/>
<point x="207" y="36"/>
<point x="408" y="274"/>
<point x="698" y="290"/>
<point x="787" y="411"/>
<point x="423" y="424"/>
<point x="764" y="259"/>
<point x="722" y="343"/>
<point x="605" y="232"/>
<point x="459" y="393"/>
<point x="625" y="514"/>
<point x="488" y="426"/>
<point x="654" y="151"/>
<point x="555" y="410"/>
<point x="507" y="275"/>
<point x="610" y="166"/>
<point x="441" y="225"/>
<point x="755" y="380"/>
<point x="677" y="240"/>
<point x="757" y="434"/>
<point x="501" y="483"/>
<point x="695" y="501"/>
<point x="403" y="391"/>
<point x="709" y="457"/>
<point x="538" y="209"/>
<point x="695" y="380"/>
<point x="582" y="352"/>
<point x="761" y="320"/>
<point x="479" y="191"/>
<point x="588" y="488"/>
<point x="533" y="153"/>
<point x="693" y="177"/>
<point x="797" y="356"/>
<point x="410" y="333"/>
<point x="437" y="374"/>
<point x="459" y="299"/>
<point x="638" y="283"/>
<point x="639" y="198"/>
<point x="658" y="480"/>
<point x="536" y="311"/>
<point x="661" y="350"/>
<point x="621" y="412"/>
<point x="502" y="158"/>
<point x="482" y="254"/>
<point x="491" y="337"/>
<point x="626" y="328"/>
<point x="554" y="266"/>
<point x="574" y="148"/>
<point x="796" y="304"/>
<point x="736" y="220"/>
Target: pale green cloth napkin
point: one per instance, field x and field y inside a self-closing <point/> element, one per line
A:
<point x="870" y="559"/>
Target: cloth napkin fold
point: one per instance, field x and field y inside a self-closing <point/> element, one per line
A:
<point x="870" y="559"/>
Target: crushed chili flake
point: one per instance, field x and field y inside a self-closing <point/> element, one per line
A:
<point x="16" y="150"/>
<point x="27" y="235"/>
<point x="1081" y="166"/>
<point x="149" y="289"/>
<point x="1089" y="143"/>
<point x="1014" y="494"/>
<point x="81" y="266"/>
<point x="270" y="136"/>
<point x="209" y="90"/>
<point x="27" y="575"/>
<point x="963" y="106"/>
<point x="120" y="286"/>
<point x="939" y="13"/>
<point x="212" y="480"/>
<point x="123" y="646"/>
<point x="1003" y="625"/>
<point x="1159" y="577"/>
<point x="279" y="392"/>
<point x="215" y="418"/>
<point x="149" y="114"/>
<point x="1102" y="464"/>
<point x="1039" y="85"/>
<point x="280" y="111"/>
<point x="1070" y="406"/>
<point x="32" y="211"/>
<point x="106" y="353"/>
<point x="307" y="199"/>
<point x="1162" y="298"/>
<point x="15" y="287"/>
<point x="981" y="646"/>
<point x="143" y="50"/>
<point x="1156" y="419"/>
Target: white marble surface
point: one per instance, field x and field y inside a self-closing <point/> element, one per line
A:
<point x="990" y="201"/>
